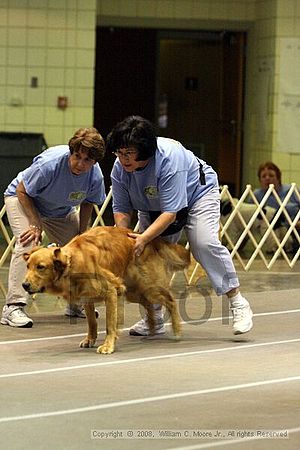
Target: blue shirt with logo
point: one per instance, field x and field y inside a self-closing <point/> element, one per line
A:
<point x="55" y="190"/>
<point x="169" y="182"/>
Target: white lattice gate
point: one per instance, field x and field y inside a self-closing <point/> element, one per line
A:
<point x="255" y="224"/>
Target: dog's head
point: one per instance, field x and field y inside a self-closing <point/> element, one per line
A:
<point x="45" y="266"/>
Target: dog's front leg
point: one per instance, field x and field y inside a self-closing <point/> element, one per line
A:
<point x="111" y="303"/>
<point x="91" y="337"/>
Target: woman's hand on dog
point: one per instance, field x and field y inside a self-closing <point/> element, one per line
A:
<point x="140" y="243"/>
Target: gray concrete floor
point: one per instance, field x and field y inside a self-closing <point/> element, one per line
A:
<point x="54" y="394"/>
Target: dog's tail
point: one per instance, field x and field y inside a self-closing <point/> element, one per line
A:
<point x="175" y="255"/>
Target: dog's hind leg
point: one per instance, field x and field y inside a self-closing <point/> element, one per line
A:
<point x="91" y="337"/>
<point x="150" y="314"/>
<point x="163" y="297"/>
<point x="111" y="302"/>
<point x="172" y="307"/>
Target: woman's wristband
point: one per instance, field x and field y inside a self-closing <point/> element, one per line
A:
<point x="35" y="227"/>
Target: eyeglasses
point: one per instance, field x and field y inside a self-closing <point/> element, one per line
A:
<point x="127" y="155"/>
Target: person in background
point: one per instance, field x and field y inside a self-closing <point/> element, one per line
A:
<point x="268" y="173"/>
<point x="44" y="197"/>
<point x="172" y="189"/>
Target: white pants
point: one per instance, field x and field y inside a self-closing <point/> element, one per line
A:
<point x="202" y="230"/>
<point x="58" y="230"/>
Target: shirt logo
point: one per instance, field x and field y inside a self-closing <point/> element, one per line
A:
<point x="77" y="196"/>
<point x="151" y="191"/>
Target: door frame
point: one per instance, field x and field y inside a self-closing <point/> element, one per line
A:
<point x="199" y="34"/>
<point x="232" y="125"/>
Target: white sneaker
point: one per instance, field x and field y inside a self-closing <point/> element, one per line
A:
<point x="141" y="328"/>
<point x="14" y="316"/>
<point x="73" y="310"/>
<point x="242" y="319"/>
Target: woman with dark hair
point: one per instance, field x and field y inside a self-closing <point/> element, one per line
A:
<point x="172" y="189"/>
<point x="268" y="173"/>
<point x="44" y="197"/>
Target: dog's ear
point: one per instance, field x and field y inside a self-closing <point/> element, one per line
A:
<point x="59" y="261"/>
<point x="27" y="254"/>
<point x="57" y="252"/>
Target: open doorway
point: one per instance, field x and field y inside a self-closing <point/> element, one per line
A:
<point x="125" y="79"/>
<point x="200" y="97"/>
<point x="189" y="83"/>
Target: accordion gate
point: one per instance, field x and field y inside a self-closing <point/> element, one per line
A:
<point x="246" y="230"/>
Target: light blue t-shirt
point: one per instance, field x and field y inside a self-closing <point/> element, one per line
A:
<point x="292" y="206"/>
<point x="169" y="182"/>
<point x="55" y="190"/>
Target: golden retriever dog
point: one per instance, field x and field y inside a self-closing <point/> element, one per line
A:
<point x="100" y="265"/>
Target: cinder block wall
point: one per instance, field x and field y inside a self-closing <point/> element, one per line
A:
<point x="54" y="41"/>
<point x="274" y="22"/>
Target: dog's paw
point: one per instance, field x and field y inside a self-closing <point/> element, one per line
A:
<point x="105" y="349"/>
<point x="87" y="343"/>
<point x="177" y="337"/>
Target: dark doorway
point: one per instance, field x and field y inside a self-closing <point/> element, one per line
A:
<point x="189" y="83"/>
<point x="200" y="79"/>
<point x="125" y="79"/>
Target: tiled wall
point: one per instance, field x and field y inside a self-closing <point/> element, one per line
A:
<point x="258" y="125"/>
<point x="178" y="9"/>
<point x="287" y="26"/>
<point x="53" y="41"/>
<point x="274" y="20"/>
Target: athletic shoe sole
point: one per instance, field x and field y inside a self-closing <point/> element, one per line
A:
<point x="136" y="333"/>
<point x="236" y="332"/>
<point x="12" y="324"/>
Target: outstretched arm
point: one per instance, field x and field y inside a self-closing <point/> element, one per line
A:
<point x="33" y="233"/>
<point x="155" y="229"/>
<point x="123" y="219"/>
